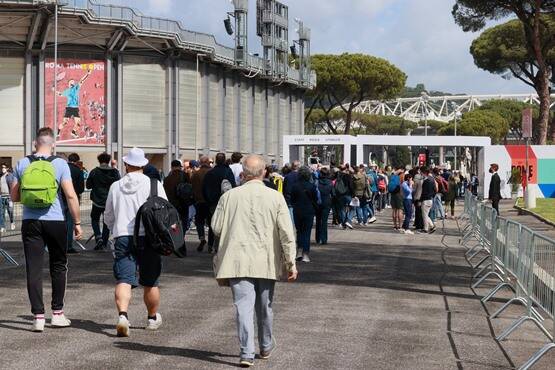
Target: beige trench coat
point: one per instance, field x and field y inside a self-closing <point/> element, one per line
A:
<point x="255" y="232"/>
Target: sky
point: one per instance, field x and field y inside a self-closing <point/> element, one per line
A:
<point x="418" y="36"/>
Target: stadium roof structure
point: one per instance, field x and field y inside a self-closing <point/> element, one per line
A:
<point x="114" y="28"/>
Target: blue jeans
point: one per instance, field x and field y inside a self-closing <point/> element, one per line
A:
<point x="250" y="295"/>
<point x="438" y="209"/>
<point x="5" y="205"/>
<point x="322" y="216"/>
<point x="345" y="214"/>
<point x="303" y="224"/>
<point x="407" y="205"/>
<point x="103" y="235"/>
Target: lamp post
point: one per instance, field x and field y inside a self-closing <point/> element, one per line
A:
<point x="424" y="97"/>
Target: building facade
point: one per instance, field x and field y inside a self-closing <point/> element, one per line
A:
<point x="120" y="79"/>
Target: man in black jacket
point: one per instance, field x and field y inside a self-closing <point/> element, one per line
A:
<point x="215" y="183"/>
<point x="495" y="187"/>
<point x="78" y="179"/>
<point x="429" y="190"/>
<point x="99" y="181"/>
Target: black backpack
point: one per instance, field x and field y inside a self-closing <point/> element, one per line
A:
<point x="163" y="229"/>
<point x="184" y="191"/>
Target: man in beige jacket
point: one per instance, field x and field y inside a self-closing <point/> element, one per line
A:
<point x="256" y="248"/>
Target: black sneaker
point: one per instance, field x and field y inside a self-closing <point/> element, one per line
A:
<point x="200" y="247"/>
<point x="99" y="245"/>
<point x="210" y="249"/>
<point x="433" y="230"/>
<point x="181" y="252"/>
<point x="246" y="362"/>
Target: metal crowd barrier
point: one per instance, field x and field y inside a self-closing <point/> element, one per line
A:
<point x="85" y="211"/>
<point x="521" y="259"/>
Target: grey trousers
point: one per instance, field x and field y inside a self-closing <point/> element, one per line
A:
<point x="248" y="295"/>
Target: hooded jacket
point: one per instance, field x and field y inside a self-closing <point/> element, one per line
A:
<point x="125" y="198"/>
<point x="99" y="181"/>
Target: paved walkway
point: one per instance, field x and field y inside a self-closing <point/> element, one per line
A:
<point x="371" y="299"/>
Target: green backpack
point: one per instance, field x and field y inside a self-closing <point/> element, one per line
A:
<point x="39" y="187"/>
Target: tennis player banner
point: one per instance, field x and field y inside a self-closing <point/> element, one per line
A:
<point x="80" y="99"/>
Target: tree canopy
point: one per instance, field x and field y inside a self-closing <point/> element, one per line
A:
<point x="483" y="123"/>
<point x="511" y="110"/>
<point x="346" y="80"/>
<point x="523" y="47"/>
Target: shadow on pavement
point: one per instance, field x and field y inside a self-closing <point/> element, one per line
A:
<point x="174" y="351"/>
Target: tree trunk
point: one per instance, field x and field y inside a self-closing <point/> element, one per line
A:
<point x="545" y="101"/>
<point x="348" y="119"/>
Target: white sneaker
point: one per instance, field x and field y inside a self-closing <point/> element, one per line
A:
<point x="306" y="258"/>
<point x="12" y="226"/>
<point x="154" y="324"/>
<point x="348" y="224"/>
<point x="299" y="254"/>
<point x="409" y="232"/>
<point x="38" y="325"/>
<point x="2" y="230"/>
<point x="402" y="231"/>
<point x="372" y="220"/>
<point x="122" y="327"/>
<point x="60" y="321"/>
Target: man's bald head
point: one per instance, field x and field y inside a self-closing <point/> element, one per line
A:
<point x="253" y="167"/>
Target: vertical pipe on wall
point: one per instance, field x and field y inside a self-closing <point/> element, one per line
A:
<point x="41" y="73"/>
<point x="169" y="113"/>
<point x="176" y="111"/>
<point x="109" y="119"/>
<point x="28" y="127"/>
<point x="55" y="115"/>
<point x="119" y="123"/>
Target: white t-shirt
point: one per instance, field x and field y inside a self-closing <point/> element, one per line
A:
<point x="237" y="169"/>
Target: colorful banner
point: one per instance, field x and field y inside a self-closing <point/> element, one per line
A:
<point x="81" y="107"/>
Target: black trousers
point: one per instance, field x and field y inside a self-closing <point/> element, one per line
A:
<point x="495" y="204"/>
<point x="204" y="217"/>
<point x="418" y="220"/>
<point x="36" y="235"/>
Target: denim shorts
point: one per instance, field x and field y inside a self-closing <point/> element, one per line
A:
<point x="127" y="260"/>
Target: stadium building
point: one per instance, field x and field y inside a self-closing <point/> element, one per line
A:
<point x="114" y="79"/>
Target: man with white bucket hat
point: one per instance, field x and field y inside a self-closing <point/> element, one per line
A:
<point x="125" y="198"/>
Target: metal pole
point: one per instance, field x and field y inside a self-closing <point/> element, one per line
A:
<point x="55" y="111"/>
<point x="526" y="176"/>
<point x="198" y="106"/>
<point x="456" y="157"/>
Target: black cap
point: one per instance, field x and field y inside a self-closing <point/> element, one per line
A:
<point x="176" y="163"/>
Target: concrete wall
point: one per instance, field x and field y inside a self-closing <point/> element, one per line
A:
<point x="171" y="109"/>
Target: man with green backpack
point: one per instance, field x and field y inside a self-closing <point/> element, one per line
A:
<point x="40" y="180"/>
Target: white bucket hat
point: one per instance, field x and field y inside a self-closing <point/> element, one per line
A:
<point x="136" y="157"/>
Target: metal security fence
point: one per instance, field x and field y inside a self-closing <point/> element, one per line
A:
<point x="85" y="211"/>
<point x="521" y="259"/>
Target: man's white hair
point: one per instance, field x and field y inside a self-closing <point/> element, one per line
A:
<point x="253" y="166"/>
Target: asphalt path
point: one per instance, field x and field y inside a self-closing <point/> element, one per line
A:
<point x="371" y="299"/>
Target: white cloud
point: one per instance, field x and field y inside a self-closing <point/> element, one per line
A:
<point x="419" y="36"/>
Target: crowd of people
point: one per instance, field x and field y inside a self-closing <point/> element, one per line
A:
<point x="255" y="219"/>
